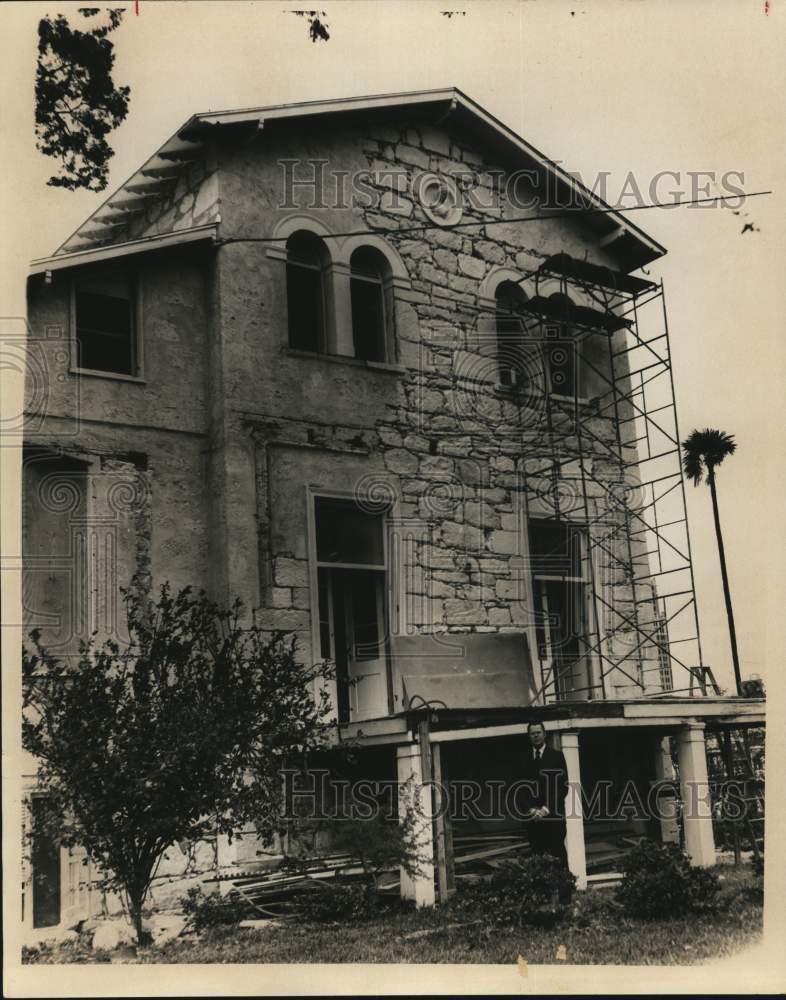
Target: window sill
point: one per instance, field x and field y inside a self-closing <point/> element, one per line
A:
<point x="345" y="359"/>
<point x="519" y="395"/>
<point x="113" y="376"/>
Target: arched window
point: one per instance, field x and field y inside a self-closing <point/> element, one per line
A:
<point x="307" y="261"/>
<point x="369" y="271"/>
<point x="561" y="349"/>
<point x="511" y="358"/>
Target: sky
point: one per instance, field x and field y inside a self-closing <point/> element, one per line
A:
<point x="627" y="87"/>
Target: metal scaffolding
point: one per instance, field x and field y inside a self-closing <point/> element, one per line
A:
<point x="610" y="461"/>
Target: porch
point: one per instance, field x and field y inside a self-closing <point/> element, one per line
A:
<point x="622" y="781"/>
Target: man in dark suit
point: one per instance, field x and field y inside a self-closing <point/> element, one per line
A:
<point x="546" y="774"/>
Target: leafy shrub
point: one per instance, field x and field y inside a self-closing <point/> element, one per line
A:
<point x="349" y="903"/>
<point x="757" y="863"/>
<point x="205" y="911"/>
<point x="526" y="891"/>
<point x="76" y="951"/>
<point x="659" y="881"/>
<point x="595" y="908"/>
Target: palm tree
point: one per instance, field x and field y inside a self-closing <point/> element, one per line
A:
<point x="702" y="452"/>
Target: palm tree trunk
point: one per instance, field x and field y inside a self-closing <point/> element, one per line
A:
<point x="725" y="578"/>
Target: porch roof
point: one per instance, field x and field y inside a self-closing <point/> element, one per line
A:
<point x="479" y="723"/>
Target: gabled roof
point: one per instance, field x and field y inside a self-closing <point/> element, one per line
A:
<point x="622" y="238"/>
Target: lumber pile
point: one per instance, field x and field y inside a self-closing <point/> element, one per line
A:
<point x="275" y="893"/>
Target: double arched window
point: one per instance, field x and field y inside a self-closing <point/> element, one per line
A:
<point x="541" y="354"/>
<point x="343" y="308"/>
<point x="307" y="267"/>
<point x="369" y="272"/>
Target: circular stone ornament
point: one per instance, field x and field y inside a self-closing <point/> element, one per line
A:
<point x="439" y="198"/>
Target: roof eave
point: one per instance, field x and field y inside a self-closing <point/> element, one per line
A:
<point x="60" y="261"/>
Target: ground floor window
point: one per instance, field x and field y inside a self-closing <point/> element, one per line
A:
<point x="352" y="577"/>
<point x="560" y="587"/>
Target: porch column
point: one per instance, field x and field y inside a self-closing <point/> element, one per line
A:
<point x="667" y="804"/>
<point x="695" y="790"/>
<point x="413" y="793"/>
<point x="574" y="815"/>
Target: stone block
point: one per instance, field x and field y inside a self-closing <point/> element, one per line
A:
<point x="482" y="515"/>
<point x="286" y="620"/>
<point x="490" y="251"/>
<point x="435" y="465"/>
<point x="401" y="462"/>
<point x="430" y="400"/>
<point x="510" y="589"/>
<point x="471" y="266"/>
<point x="436" y="141"/>
<point x="416" y="442"/>
<point x="291" y="572"/>
<point x="505" y="541"/>
<point x="461" y="536"/>
<point x="392" y="201"/>
<point x="281" y="597"/>
<point x="473" y="472"/>
<point x="433" y="274"/>
<point x="411" y="155"/>
<point x="435" y="558"/>
<point x="459" y="612"/>
<point x="511" y="522"/>
<point x="389" y="436"/>
<point x="447" y="260"/>
<point x="301" y="598"/>
<point x="499" y="616"/>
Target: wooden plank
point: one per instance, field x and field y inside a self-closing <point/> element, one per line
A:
<point x="492" y="853"/>
<point x="439" y="825"/>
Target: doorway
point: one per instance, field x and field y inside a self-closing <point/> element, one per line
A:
<point x="352" y="576"/>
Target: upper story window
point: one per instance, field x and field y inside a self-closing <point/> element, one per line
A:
<point x="511" y="348"/>
<point x="307" y="262"/>
<point x="369" y="270"/>
<point x="105" y="319"/>
<point x="544" y="356"/>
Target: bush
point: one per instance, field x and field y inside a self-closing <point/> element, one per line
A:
<point x="757" y="863"/>
<point x="348" y="903"/>
<point x="205" y="911"/>
<point x="527" y="891"/>
<point x="659" y="881"/>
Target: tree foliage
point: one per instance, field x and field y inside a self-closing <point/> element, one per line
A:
<point x="317" y="28"/>
<point x="179" y="735"/>
<point x="77" y="102"/>
<point x="703" y="451"/>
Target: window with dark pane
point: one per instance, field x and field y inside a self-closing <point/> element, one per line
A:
<point x="560" y="349"/>
<point x="555" y="548"/>
<point x="367" y="288"/>
<point x="512" y="357"/>
<point x="306" y="261"/>
<point x="105" y="319"/>
<point x="346" y="534"/>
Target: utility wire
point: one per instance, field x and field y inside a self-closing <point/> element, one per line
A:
<point x="565" y="214"/>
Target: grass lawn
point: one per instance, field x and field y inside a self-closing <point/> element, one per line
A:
<point x="595" y="934"/>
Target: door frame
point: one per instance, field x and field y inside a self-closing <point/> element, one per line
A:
<point x="312" y="494"/>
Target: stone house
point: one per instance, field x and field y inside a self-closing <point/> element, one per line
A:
<point x="381" y="369"/>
